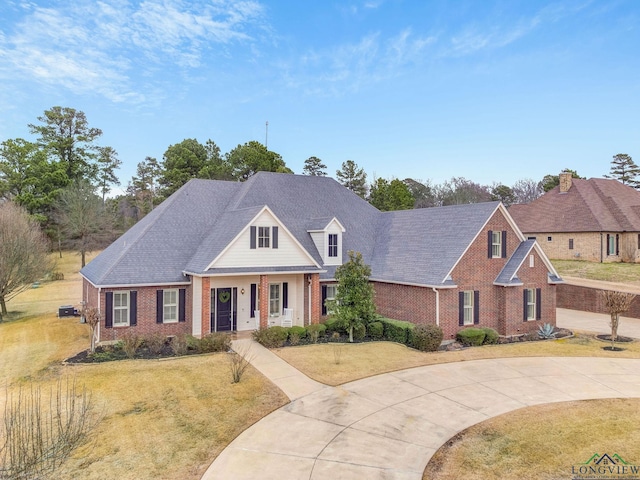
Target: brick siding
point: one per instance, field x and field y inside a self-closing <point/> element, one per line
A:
<point x="501" y="308"/>
<point x="587" y="299"/>
<point x="588" y="246"/>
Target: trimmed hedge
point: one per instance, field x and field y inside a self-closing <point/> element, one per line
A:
<point x="215" y="342"/>
<point x="359" y="331"/>
<point x="297" y="330"/>
<point x="491" y="337"/>
<point x="426" y="338"/>
<point x="375" y="330"/>
<point x="396" y="330"/>
<point x="273" y="337"/>
<point x="333" y="325"/>
<point x="471" y="337"/>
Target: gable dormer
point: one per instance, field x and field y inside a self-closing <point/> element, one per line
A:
<point x="264" y="242"/>
<point x="326" y="234"/>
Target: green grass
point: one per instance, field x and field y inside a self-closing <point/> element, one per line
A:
<point x="609" y="272"/>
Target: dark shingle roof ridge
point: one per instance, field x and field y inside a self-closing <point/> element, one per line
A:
<point x="150" y="219"/>
<point x="514" y="263"/>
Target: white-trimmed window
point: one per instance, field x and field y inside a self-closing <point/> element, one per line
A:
<point x="274" y="299"/>
<point x="263" y="237"/>
<point x="532" y="261"/>
<point x="333" y="244"/>
<point x="121" y="309"/>
<point x="331" y="296"/>
<point x="468" y="307"/>
<point x="170" y="306"/>
<point x="496" y="244"/>
<point x="531" y="303"/>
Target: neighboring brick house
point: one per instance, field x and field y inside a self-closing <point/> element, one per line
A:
<point x="596" y="220"/>
<point x="231" y="256"/>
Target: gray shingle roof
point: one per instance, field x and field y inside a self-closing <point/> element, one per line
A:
<point x="508" y="275"/>
<point x="422" y="246"/>
<point x="187" y="231"/>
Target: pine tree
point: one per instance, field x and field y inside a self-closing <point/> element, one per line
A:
<point x="314" y="167"/>
<point x="624" y="169"/>
<point x="353" y="178"/>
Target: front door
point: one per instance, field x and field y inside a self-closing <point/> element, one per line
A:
<point x="223" y="318"/>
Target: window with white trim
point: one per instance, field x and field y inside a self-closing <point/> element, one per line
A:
<point x="331" y="296"/>
<point x="263" y="237"/>
<point x="333" y="244"/>
<point x="274" y="299"/>
<point x="496" y="244"/>
<point x="532" y="261"/>
<point x="468" y="307"/>
<point x="121" y="309"/>
<point x="531" y="303"/>
<point x="170" y="306"/>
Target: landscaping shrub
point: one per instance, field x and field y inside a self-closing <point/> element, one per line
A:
<point x="426" y="338"/>
<point x="215" y="342"/>
<point x="130" y="344"/>
<point x="471" y="337"/>
<point x="273" y="337"/>
<point x="294" y="339"/>
<point x="301" y="332"/>
<point x="334" y="325"/>
<point x="155" y="342"/>
<point x="359" y="331"/>
<point x="180" y="344"/>
<point x="375" y="330"/>
<point x="491" y="337"/>
<point x="315" y="331"/>
<point x="396" y="330"/>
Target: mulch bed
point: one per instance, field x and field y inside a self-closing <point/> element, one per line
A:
<point x="607" y="338"/>
<point x="109" y="353"/>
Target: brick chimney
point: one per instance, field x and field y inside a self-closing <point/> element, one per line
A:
<point x="565" y="182"/>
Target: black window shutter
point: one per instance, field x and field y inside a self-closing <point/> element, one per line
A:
<point x="617" y="244"/>
<point x="252" y="240"/>
<point x="461" y="308"/>
<point x="504" y="244"/>
<point x="608" y="249"/>
<point x="285" y="295"/>
<point x="490" y="243"/>
<point x="133" y="309"/>
<point x="182" y="304"/>
<point x="324" y="298"/>
<point x="108" y="310"/>
<point x="524" y="305"/>
<point x="538" y="303"/>
<point x="476" y="307"/>
<point x="254" y="291"/>
<point x="159" y="306"/>
<point x="274" y="234"/>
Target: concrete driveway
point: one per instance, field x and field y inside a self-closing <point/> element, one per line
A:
<point x="388" y="426"/>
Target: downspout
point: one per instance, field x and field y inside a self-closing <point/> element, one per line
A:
<point x="437" y="292"/>
<point x="601" y="257"/>
<point x="309" y="299"/>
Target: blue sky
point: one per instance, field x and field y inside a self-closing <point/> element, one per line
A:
<point x="491" y="90"/>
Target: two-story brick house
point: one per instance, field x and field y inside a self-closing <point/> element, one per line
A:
<point x="230" y="256"/>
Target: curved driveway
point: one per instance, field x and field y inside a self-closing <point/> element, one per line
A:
<point x="389" y="426"/>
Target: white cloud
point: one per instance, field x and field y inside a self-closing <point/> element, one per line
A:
<point x="102" y="47"/>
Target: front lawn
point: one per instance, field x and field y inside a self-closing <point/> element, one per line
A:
<point x="545" y="441"/>
<point x="165" y="419"/>
<point x="367" y="359"/>
<point x="608" y="272"/>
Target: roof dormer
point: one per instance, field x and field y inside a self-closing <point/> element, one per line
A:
<point x="326" y="234"/>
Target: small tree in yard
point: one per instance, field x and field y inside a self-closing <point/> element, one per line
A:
<point x="353" y="304"/>
<point x="93" y="317"/>
<point x="616" y="303"/>
<point x="23" y="253"/>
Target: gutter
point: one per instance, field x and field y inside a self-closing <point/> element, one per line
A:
<point x="437" y="292"/>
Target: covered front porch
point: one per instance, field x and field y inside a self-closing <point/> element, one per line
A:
<point x="252" y="301"/>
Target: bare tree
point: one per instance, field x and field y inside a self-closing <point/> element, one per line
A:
<point x="93" y="317"/>
<point x="24" y="254"/>
<point x="526" y="190"/>
<point x="616" y="303"/>
<point x="38" y="433"/>
<point x="83" y="219"/>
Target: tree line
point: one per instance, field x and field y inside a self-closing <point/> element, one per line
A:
<point x="63" y="177"/>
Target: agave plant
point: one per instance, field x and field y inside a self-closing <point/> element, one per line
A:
<point x="547" y="331"/>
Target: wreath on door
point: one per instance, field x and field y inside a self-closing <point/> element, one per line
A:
<point x="224" y="296"/>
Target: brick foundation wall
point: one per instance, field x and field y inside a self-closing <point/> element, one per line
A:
<point x="588" y="299"/>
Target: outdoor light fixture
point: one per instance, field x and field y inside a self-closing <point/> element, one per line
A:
<point x="242" y="291"/>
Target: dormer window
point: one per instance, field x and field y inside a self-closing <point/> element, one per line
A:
<point x="263" y="237"/>
<point x="333" y="244"/>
